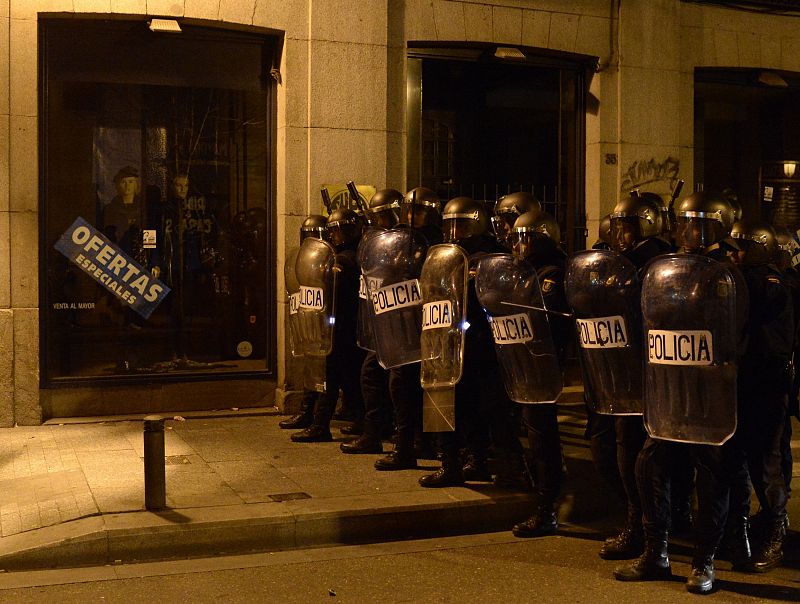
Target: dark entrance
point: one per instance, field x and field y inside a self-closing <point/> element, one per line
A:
<point x="485" y="121"/>
<point x="747" y="138"/>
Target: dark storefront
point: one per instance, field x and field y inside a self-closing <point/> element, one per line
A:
<point x="163" y="147"/>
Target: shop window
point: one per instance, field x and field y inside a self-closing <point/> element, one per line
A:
<point x="156" y="164"/>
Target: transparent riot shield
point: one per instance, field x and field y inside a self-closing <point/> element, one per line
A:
<point x="391" y="267"/>
<point x="293" y="301"/>
<point x="443" y="285"/>
<point x="316" y="313"/>
<point x="604" y="294"/>
<point x="690" y="318"/>
<point x="365" y="334"/>
<point x="522" y="337"/>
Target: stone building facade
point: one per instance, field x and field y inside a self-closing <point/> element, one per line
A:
<point x="639" y="120"/>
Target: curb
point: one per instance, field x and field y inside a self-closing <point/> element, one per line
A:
<point x="246" y="528"/>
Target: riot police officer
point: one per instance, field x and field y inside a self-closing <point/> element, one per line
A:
<point x="786" y="252"/>
<point x="419" y="211"/>
<point x="343" y="363"/>
<point x="764" y="383"/>
<point x="506" y="211"/>
<point x="702" y="229"/>
<point x="537" y="238"/>
<point x="466" y="224"/>
<point x="636" y="233"/>
<point x="314" y="225"/>
<point x="382" y="213"/>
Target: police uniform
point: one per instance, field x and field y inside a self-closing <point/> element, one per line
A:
<point x="406" y="396"/>
<point x="541" y="421"/>
<point x="708" y="219"/>
<point x="473" y="392"/>
<point x="343" y="363"/>
<point x="763" y="402"/>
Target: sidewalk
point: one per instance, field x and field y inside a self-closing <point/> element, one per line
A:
<point x="73" y="493"/>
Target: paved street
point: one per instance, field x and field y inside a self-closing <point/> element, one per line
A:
<point x="493" y="567"/>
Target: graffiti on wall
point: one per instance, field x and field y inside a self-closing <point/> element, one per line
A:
<point x="651" y="175"/>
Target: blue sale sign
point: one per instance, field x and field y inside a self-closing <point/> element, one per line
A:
<point x="104" y="262"/>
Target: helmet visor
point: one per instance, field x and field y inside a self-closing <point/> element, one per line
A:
<point x="624" y="232"/>
<point x="418" y="215"/>
<point x="318" y="232"/>
<point x="527" y="244"/>
<point x="385" y="216"/>
<point x="695" y="233"/>
<point x="503" y="225"/>
<point x="458" y="226"/>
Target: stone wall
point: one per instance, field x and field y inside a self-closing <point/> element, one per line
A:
<point x="341" y="108"/>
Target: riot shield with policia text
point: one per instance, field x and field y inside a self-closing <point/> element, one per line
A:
<point x="365" y="334"/>
<point x="508" y="289"/>
<point x="316" y="275"/>
<point x="443" y="285"/>
<point x="292" y="286"/>
<point x="690" y="318"/>
<point x="391" y="267"/>
<point x="604" y="293"/>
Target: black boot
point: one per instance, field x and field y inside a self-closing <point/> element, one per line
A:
<point x="297" y="422"/>
<point x="313" y="434"/>
<point x="306" y="416"/>
<point x="363" y="444"/>
<point x="476" y="469"/>
<point x="396" y="460"/>
<point x="736" y="543"/>
<point x="652" y="565"/>
<point x="628" y="544"/>
<point x="770" y="554"/>
<point x="701" y="579"/>
<point x="543" y="522"/>
<point x="449" y="475"/>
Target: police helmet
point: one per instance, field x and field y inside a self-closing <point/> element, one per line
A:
<point x="729" y="194"/>
<point x="635" y="219"/>
<point x="506" y="211"/>
<point x="704" y="218"/>
<point x="786" y="247"/>
<point x="535" y="234"/>
<point x="420" y="207"/>
<point x="604" y="231"/>
<point x="464" y="219"/>
<point x="384" y="208"/>
<point x="315" y="226"/>
<point x="344" y="227"/>
<point x="758" y="243"/>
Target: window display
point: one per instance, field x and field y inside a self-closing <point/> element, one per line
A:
<point x="156" y="175"/>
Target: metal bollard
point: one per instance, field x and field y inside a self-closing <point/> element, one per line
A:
<point x="155" y="487"/>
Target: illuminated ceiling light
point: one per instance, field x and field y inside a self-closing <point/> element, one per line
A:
<point x="509" y="52"/>
<point x="789" y="168"/>
<point x="167" y="26"/>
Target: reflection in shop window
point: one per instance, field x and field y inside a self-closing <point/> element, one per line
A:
<point x="175" y="174"/>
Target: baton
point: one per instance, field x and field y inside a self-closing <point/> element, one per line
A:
<point x="326" y="199"/>
<point x="552" y="312"/>
<point x="675" y="192"/>
<point x="360" y="205"/>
